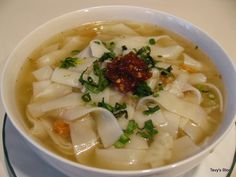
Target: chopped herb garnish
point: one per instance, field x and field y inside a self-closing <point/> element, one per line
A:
<point x="90" y="84"/>
<point x="69" y="62"/>
<point x="152" y="41"/>
<point x="148" y="131"/>
<point x="123" y="140"/>
<point x="75" y="52"/>
<point x="132" y="125"/>
<point x="107" y="56"/>
<point x="144" y="54"/>
<point x="118" y="110"/>
<point x="165" y="71"/>
<point x="151" y="110"/>
<point x="142" y="90"/>
<point x="97" y="42"/>
<point x="124" y="47"/>
<point x="86" y="97"/>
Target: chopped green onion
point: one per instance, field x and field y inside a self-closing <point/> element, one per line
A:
<point x="123" y="140"/>
<point x="151" y="110"/>
<point x="165" y="71"/>
<point x="68" y="62"/>
<point x="86" y="97"/>
<point x="145" y="54"/>
<point x="148" y="131"/>
<point x="118" y="110"/>
<point x="152" y="41"/>
<point x="132" y="125"/>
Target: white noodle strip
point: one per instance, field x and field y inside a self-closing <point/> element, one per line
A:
<point x="198" y="94"/>
<point x="108" y="128"/>
<point x="83" y="135"/>
<point x="97" y="48"/>
<point x="189" y="61"/>
<point x="212" y="86"/>
<point x="67" y="77"/>
<point x="37" y="109"/>
<point x="196" y="78"/>
<point x="43" y="73"/>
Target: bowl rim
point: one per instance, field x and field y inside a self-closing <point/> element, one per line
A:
<point x="95" y="169"/>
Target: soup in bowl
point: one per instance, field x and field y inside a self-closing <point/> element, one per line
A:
<point x="124" y="94"/>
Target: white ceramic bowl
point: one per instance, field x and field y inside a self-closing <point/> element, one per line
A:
<point x="73" y="19"/>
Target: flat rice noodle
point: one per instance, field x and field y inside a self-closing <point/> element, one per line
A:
<point x="197" y="78"/>
<point x="98" y="97"/>
<point x="133" y="42"/>
<point x="137" y="142"/>
<point x="118" y="29"/>
<point x="172" y="125"/>
<point x="182" y="122"/>
<point x="179" y="106"/>
<point x="192" y="63"/>
<point x="160" y="151"/>
<point x="85" y="53"/>
<point x="52" y="58"/>
<point x="115" y="97"/>
<point x="196" y="92"/>
<point x="67" y="77"/>
<point x="218" y="92"/>
<point x="50" y="48"/>
<point x="83" y="64"/>
<point x="125" y="159"/>
<point x="54" y="90"/>
<point x="169" y="52"/>
<point x="177" y="87"/>
<point x="40" y="86"/>
<point x="38" y="109"/>
<point x="184" y="147"/>
<point x="83" y="135"/>
<point x="108" y="128"/>
<point x="193" y="131"/>
<point x="62" y="144"/>
<point x="157" y="118"/>
<point x="97" y="48"/>
<point x="43" y="73"/>
<point x="72" y="43"/>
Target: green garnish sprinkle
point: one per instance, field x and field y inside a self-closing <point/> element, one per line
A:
<point x="90" y="84"/>
<point x="148" y="131"/>
<point x="86" y="97"/>
<point x="151" y="110"/>
<point x="152" y="41"/>
<point x="118" y="110"/>
<point x="142" y="90"/>
<point x="144" y="53"/>
<point x="107" y="56"/>
<point x="68" y="62"/>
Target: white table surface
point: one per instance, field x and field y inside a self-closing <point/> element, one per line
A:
<point x="19" y="17"/>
